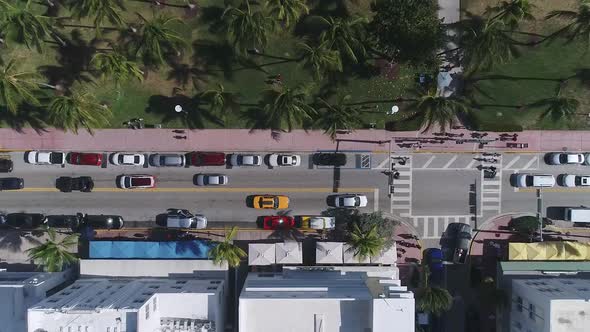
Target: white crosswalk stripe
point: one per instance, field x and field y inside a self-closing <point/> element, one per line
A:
<point x="433" y="226"/>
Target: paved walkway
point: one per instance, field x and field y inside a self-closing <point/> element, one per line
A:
<point x="298" y="140"/>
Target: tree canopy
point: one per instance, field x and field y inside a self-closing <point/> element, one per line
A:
<point x="407" y="30"/>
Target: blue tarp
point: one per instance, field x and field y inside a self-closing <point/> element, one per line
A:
<point x="196" y="249"/>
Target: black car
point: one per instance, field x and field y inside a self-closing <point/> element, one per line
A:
<point x="65" y="221"/>
<point x="329" y="159"/>
<point x="68" y="184"/>
<point x="101" y="221"/>
<point x="23" y="220"/>
<point x="6" y="165"/>
<point x="11" y="183"/>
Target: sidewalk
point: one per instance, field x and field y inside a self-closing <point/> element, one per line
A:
<point x="298" y="140"/>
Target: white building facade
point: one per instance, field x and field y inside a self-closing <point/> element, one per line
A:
<point x="550" y="304"/>
<point x="21" y="290"/>
<point x="326" y="299"/>
<point x="138" y="305"/>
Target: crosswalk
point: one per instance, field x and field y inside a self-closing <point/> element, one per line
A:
<point x="401" y="198"/>
<point x="491" y="189"/>
<point x="433" y="226"/>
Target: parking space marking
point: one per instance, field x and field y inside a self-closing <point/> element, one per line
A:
<point x="512" y="162"/>
<point x="428" y="162"/>
<point x="531" y="162"/>
<point x="450" y="162"/>
<point x="470" y="165"/>
<point x="382" y="164"/>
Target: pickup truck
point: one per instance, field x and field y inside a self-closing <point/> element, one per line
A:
<point x="68" y="184"/>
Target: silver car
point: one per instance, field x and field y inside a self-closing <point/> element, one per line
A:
<point x="245" y="160"/>
<point x="211" y="180"/>
<point x="168" y="160"/>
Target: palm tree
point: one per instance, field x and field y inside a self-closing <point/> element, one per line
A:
<point x="155" y="39"/>
<point x="116" y="66"/>
<point x="579" y="26"/>
<point x="17" y="87"/>
<point x="287" y="11"/>
<point x="221" y="101"/>
<point x="557" y="107"/>
<point x="434" y="109"/>
<point x="226" y="251"/>
<point x="346" y="35"/>
<point x="101" y="10"/>
<point x="432" y="299"/>
<point x="78" y="109"/>
<point x="285" y="108"/>
<point x="338" y="116"/>
<point x="511" y="12"/>
<point x="485" y="43"/>
<point x="26" y="27"/>
<point x="319" y="59"/>
<point x="246" y="28"/>
<point x="54" y="254"/>
<point x="365" y="244"/>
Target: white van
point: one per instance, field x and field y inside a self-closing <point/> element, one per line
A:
<point x="577" y="214"/>
<point x="534" y="180"/>
<point x="185" y="219"/>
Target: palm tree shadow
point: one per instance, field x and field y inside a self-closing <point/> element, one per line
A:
<point x="292" y="234"/>
<point x="256" y="118"/>
<point x="193" y="116"/>
<point x="211" y="54"/>
<point x="212" y="15"/>
<point x="13" y="240"/>
<point x="73" y="60"/>
<point x="183" y="73"/>
<point x="26" y="116"/>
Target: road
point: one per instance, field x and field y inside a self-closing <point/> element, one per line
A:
<point x="307" y="187"/>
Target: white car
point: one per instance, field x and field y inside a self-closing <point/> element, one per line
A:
<point x="278" y="160"/>
<point x="245" y="160"/>
<point x="570" y="180"/>
<point x="127" y="159"/>
<point x="534" y="180"/>
<point x="46" y="158"/>
<point x="211" y="180"/>
<point x="347" y="200"/>
<point x="565" y="158"/>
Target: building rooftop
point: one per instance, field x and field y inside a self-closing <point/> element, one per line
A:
<point x="557" y="288"/>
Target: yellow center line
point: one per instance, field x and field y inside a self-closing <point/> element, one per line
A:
<point x="218" y="189"/>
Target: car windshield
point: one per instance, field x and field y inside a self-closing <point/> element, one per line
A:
<point x="529" y="181"/>
<point x="563" y="158"/>
<point x="240" y="159"/>
<point x="276" y="202"/>
<point x="55" y="158"/>
<point x="136" y="159"/>
<point x="357" y="200"/>
<point x="341" y="201"/>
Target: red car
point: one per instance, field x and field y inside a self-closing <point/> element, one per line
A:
<point x="89" y="159"/>
<point x="207" y="158"/>
<point x="276" y="222"/>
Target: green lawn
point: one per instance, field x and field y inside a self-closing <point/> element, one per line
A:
<point x="151" y="99"/>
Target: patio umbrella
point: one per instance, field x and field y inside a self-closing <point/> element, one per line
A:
<point x="387" y="256"/>
<point x="350" y="258"/>
<point x="288" y="253"/>
<point x="328" y="253"/>
<point x="261" y="253"/>
<point x="443" y="79"/>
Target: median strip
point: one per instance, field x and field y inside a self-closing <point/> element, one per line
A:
<point x="221" y="190"/>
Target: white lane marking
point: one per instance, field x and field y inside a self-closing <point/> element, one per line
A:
<point x="435" y="226"/>
<point x="376" y="199"/>
<point x="470" y="165"/>
<point x="490" y="199"/>
<point x="490" y="208"/>
<point x="428" y="162"/>
<point x="415" y="222"/>
<point x="402" y="190"/>
<point x="401" y="182"/>
<point x="531" y="162"/>
<point x="425" y="229"/>
<point x="450" y="161"/>
<point x="382" y="165"/>
<point x="512" y="162"/>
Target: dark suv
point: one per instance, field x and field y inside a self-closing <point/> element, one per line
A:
<point x="11" y="183"/>
<point x="6" y="165"/>
<point x="72" y="222"/>
<point x="68" y="184"/>
<point x="101" y="221"/>
<point x="23" y="220"/>
<point x="329" y="159"/>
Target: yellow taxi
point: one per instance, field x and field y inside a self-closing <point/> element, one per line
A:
<point x="270" y="202"/>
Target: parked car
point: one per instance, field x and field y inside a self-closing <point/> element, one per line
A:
<point x="276" y="222"/>
<point x="570" y="180"/>
<point x="46" y="157"/>
<point x="127" y="159"/>
<point x="136" y="181"/>
<point x="534" y="180"/>
<point x="238" y="160"/>
<point x="6" y="165"/>
<point x="11" y="183"/>
<point x="84" y="158"/>
<point x="270" y="202"/>
<point x="23" y="220"/>
<point x="211" y="180"/>
<point x="168" y="160"/>
<point x="206" y="158"/>
<point x="347" y="200"/>
<point x="316" y="222"/>
<point x="68" y="184"/>
<point x="72" y="222"/>
<point x="181" y="218"/>
<point x="102" y="221"/>
<point x="558" y="158"/>
<point x="329" y="159"/>
<point x="280" y="160"/>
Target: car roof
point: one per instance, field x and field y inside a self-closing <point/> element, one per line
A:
<point x="543" y="180"/>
